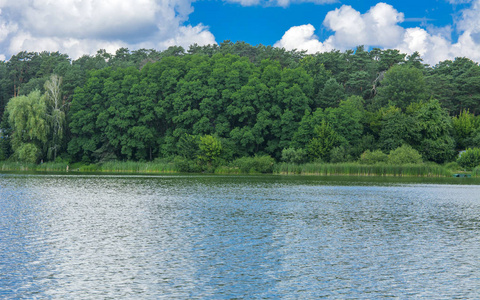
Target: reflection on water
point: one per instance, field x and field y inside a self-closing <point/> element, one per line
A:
<point x="183" y="237"/>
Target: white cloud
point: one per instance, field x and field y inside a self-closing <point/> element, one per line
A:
<point x="303" y="38"/>
<point x="379" y="27"/>
<point x="282" y="3"/>
<point x="82" y="27"/>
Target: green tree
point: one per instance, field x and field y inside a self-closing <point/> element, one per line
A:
<point x="372" y="157"/>
<point x="324" y="141"/>
<point x="404" y="155"/>
<point x="466" y="125"/>
<point x="397" y="128"/>
<point x="292" y="155"/>
<point x="26" y="115"/>
<point x="347" y="120"/>
<point x="210" y="149"/>
<point x="435" y="141"/>
<point x="5" y="137"/>
<point x="470" y="158"/>
<point x="331" y="94"/>
<point x="401" y="86"/>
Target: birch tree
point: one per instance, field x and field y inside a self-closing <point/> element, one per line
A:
<point x="55" y="114"/>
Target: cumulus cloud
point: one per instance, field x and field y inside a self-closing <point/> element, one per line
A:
<point x="82" y="27"/>
<point x="379" y="27"/>
<point x="303" y="38"/>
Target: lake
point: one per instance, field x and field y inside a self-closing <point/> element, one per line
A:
<point x="238" y="237"/>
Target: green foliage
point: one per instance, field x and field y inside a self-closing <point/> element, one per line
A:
<point x="331" y="95"/>
<point x="401" y="86"/>
<point x="453" y="166"/>
<point x="404" y="155"/>
<point x="188" y="146"/>
<point x="256" y="164"/>
<point x="210" y="149"/>
<point x="373" y="157"/>
<point x="142" y="104"/>
<point x="324" y="141"/>
<point x="27" y="152"/>
<point x="339" y="155"/>
<point x="435" y="140"/>
<point x="470" y="158"/>
<point x="292" y="155"/>
<point x="476" y="172"/>
<point x="55" y="117"/>
<point x="26" y="115"/>
<point x="466" y="126"/>
<point x="186" y="165"/>
<point x="397" y="128"/>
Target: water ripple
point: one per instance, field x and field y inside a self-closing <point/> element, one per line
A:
<point x="187" y="237"/>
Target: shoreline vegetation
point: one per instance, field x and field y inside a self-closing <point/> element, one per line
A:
<point x="322" y="169"/>
<point x="240" y="109"/>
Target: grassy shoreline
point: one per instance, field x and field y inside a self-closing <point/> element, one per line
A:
<point x="354" y="169"/>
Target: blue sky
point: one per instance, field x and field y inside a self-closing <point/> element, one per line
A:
<point x="264" y="25"/>
<point x="437" y="29"/>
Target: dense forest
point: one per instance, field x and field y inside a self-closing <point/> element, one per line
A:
<point x="213" y="104"/>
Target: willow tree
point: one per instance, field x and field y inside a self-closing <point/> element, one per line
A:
<point x="55" y="112"/>
<point x="26" y="115"/>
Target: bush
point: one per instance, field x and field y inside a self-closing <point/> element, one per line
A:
<point x="339" y="155"/>
<point x="470" y="158"/>
<point x="256" y="164"/>
<point x="369" y="158"/>
<point x="185" y="165"/>
<point x="27" y="152"/>
<point x="404" y="155"/>
<point x="453" y="166"/>
<point x="292" y="155"/>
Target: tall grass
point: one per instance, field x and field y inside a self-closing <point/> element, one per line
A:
<point x="137" y="167"/>
<point x="108" y="167"/>
<point x="425" y="170"/>
<point x="16" y="166"/>
<point x="52" y="167"/>
<point x="476" y="172"/>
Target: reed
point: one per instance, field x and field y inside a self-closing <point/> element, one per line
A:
<point x="424" y="170"/>
<point x="16" y="166"/>
<point x="227" y="170"/>
<point x="52" y="167"/>
<point x="476" y="172"/>
<point x="137" y="167"/>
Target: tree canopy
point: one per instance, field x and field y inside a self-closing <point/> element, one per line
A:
<point x="233" y="100"/>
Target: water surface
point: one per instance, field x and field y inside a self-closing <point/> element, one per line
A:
<point x="213" y="237"/>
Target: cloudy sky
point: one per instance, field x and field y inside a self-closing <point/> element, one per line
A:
<point x="437" y="29"/>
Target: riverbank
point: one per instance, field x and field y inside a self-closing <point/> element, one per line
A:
<point x="354" y="169"/>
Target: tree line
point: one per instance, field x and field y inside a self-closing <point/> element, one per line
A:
<point x="213" y="104"/>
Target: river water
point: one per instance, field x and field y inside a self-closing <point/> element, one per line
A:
<point x="214" y="237"/>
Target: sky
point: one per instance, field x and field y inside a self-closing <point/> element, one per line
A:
<point x="437" y="29"/>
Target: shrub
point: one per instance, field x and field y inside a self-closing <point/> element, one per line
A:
<point x="292" y="155"/>
<point x="27" y="152"/>
<point x="210" y="149"/>
<point x="404" y="155"/>
<point x="324" y="141"/>
<point x="256" y="164"/>
<point x="185" y="165"/>
<point x="470" y="158"/>
<point x="369" y="158"/>
<point x="339" y="155"/>
<point x="453" y="166"/>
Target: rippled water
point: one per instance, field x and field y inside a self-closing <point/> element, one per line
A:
<point x="184" y="237"/>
